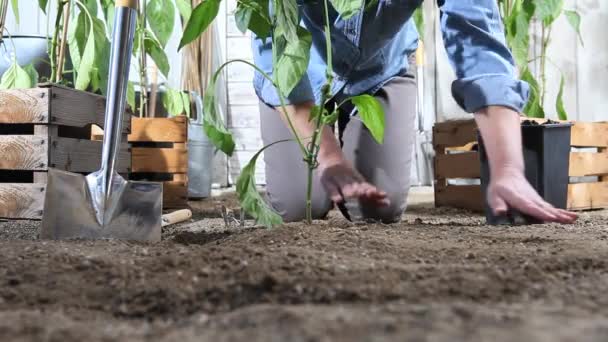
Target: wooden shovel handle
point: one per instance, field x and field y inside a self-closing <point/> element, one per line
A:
<point x="176" y="217"/>
<point x="127" y="3"/>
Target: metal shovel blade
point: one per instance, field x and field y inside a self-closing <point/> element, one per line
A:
<point x="75" y="208"/>
<point x="103" y="204"/>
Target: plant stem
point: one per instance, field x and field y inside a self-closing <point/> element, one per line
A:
<point x="64" y="42"/>
<point x="545" y="35"/>
<point x="143" y="81"/>
<point x="315" y="145"/>
<point x="53" y="55"/>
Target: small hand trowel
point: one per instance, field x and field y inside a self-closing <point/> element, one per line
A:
<point x="103" y="204"/>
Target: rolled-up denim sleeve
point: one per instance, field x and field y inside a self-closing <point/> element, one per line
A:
<point x="474" y="39"/>
<point x="265" y="90"/>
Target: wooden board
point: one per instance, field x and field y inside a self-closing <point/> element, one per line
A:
<point x="588" y="164"/>
<point x="76" y="108"/>
<point x="454" y="133"/>
<point x="583" y="196"/>
<point x="175" y="195"/>
<point x="159" y="129"/>
<point x="590" y="134"/>
<point x="79" y="155"/>
<point x="24" y="152"/>
<point x="22" y="201"/>
<point x="459" y="196"/>
<point x="24" y="105"/>
<point x="457" y="165"/>
<point x="161" y="160"/>
<point x="56" y="105"/>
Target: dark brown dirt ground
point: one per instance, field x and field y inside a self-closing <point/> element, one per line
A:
<point x="441" y="275"/>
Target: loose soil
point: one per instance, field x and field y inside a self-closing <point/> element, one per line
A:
<point x="441" y="275"/>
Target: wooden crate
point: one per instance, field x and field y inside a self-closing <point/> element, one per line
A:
<point x="159" y="153"/>
<point x="457" y="160"/>
<point x="47" y="126"/>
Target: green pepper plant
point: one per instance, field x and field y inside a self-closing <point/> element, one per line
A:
<point x="518" y="17"/>
<point x="291" y="44"/>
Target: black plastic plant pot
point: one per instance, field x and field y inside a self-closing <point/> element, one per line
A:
<point x="546" y="149"/>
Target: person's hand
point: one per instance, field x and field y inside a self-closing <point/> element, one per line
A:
<point x="500" y="128"/>
<point x="343" y="182"/>
<point x="510" y="189"/>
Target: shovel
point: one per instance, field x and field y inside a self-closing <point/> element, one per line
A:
<point x="103" y="204"/>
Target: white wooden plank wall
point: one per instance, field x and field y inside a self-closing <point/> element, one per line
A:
<point x="243" y="111"/>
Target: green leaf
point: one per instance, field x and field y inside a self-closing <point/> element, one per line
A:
<point x="517" y="27"/>
<point x="419" y="20"/>
<point x="156" y="52"/>
<point x="131" y="95"/>
<point x="43" y="4"/>
<point x="172" y="101"/>
<point x="212" y="121"/>
<point x="107" y="7"/>
<point x="287" y="19"/>
<point x="91" y="6"/>
<point x="186" y="102"/>
<point x="534" y="108"/>
<point x="372" y="114"/>
<point x="548" y="10"/>
<point x="32" y="73"/>
<point x="250" y="199"/>
<point x="77" y="37"/>
<point x="99" y="74"/>
<point x="15" y="6"/>
<point x="347" y="8"/>
<point x="242" y="17"/>
<point x="161" y="17"/>
<point x="185" y="9"/>
<point x="574" y="18"/>
<point x="87" y="63"/>
<point x="293" y="62"/>
<point x="559" y="105"/>
<point x="330" y="119"/>
<point x="201" y="18"/>
<point x="253" y="15"/>
<point x="15" y="77"/>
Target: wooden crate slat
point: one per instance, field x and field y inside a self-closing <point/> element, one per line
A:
<point x="71" y="107"/>
<point x="159" y="129"/>
<point x="588" y="164"/>
<point x="161" y="160"/>
<point x="175" y="195"/>
<point x="583" y="196"/>
<point x="457" y="165"/>
<point x="21" y="201"/>
<point x="79" y="155"/>
<point x="24" y="106"/>
<point x="590" y="134"/>
<point x="460" y="196"/>
<point x="23" y="152"/>
<point x="454" y="133"/>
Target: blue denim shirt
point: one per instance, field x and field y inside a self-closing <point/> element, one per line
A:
<point x="373" y="46"/>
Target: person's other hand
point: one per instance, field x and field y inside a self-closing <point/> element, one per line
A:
<point x="343" y="182"/>
<point x="500" y="128"/>
<point x="510" y="189"/>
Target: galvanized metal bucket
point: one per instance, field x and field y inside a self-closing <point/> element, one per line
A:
<point x="200" y="154"/>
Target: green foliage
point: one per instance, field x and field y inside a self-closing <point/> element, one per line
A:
<point x="253" y="15"/>
<point x="293" y="62"/>
<point x="291" y="46"/>
<point x="185" y="9"/>
<point x="155" y="50"/>
<point x="517" y="16"/>
<point x="15" y="6"/>
<point x="559" y="105"/>
<point x="176" y="102"/>
<point x="212" y="120"/>
<point x="372" y="114"/>
<point x="419" y="20"/>
<point x="17" y="77"/>
<point x="201" y="18"/>
<point x="131" y="95"/>
<point x="161" y="18"/>
<point x="347" y="8"/>
<point x="250" y="199"/>
<point x="42" y="4"/>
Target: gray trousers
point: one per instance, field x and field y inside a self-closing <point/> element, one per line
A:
<point x="386" y="166"/>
